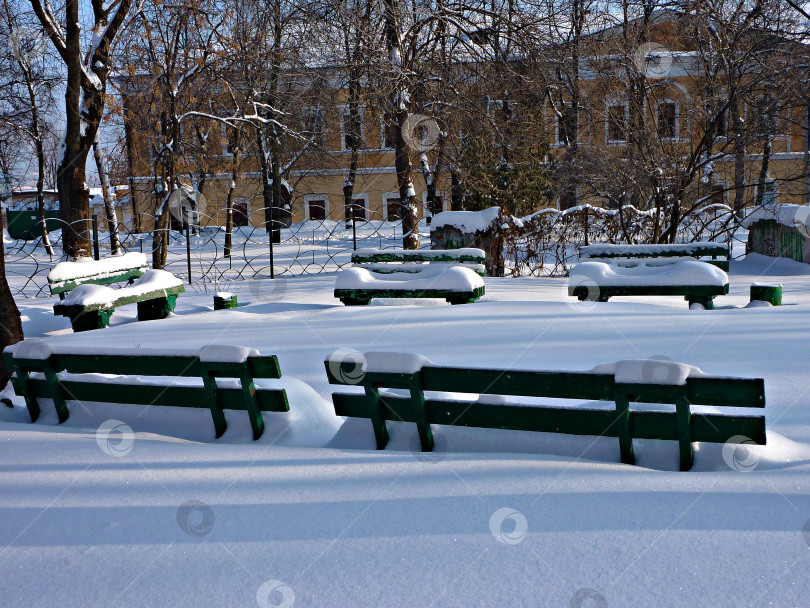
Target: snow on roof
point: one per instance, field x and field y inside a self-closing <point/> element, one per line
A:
<point x="781" y="213"/>
<point x="467" y="221"/>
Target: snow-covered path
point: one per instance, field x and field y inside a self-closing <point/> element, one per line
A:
<point x="492" y="518"/>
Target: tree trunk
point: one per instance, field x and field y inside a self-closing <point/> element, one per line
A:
<point x="229" y="202"/>
<point x="106" y="193"/>
<point x="11" y="330"/>
<point x="739" y="156"/>
<point x="402" y="159"/>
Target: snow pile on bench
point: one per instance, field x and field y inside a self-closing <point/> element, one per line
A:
<point x="592" y="251"/>
<point x="452" y="278"/>
<point x="88" y="267"/>
<point x="781" y="213"/>
<point x="224" y="353"/>
<point x="394" y="362"/>
<point x="689" y="273"/>
<point x="649" y="371"/>
<point x="409" y="254"/>
<point x="467" y="221"/>
<point x="90" y="295"/>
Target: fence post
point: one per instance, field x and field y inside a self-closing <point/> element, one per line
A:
<point x="354" y="226"/>
<point x="94" y="222"/>
<point x="188" y="248"/>
<point x="270" y="234"/>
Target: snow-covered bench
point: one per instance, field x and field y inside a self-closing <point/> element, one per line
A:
<point x="698" y="282"/>
<point x="66" y="276"/>
<point x="148" y="378"/>
<point x="718" y="253"/>
<point x="490" y="404"/>
<point x="90" y="306"/>
<point x="454" y="275"/>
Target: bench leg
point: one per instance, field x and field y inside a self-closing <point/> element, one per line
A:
<point x="210" y="383"/>
<point x="354" y="301"/>
<point x="56" y="392"/>
<point x="23" y="386"/>
<point x="420" y="414"/>
<point x="158" y="308"/>
<point x="623" y="429"/>
<point x="462" y="299"/>
<point x="252" y="405"/>
<point x="706" y="301"/>
<point x="377" y="418"/>
<point x="94" y="319"/>
<point x="683" y="417"/>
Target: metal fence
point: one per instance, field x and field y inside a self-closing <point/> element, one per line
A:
<point x="543" y="244"/>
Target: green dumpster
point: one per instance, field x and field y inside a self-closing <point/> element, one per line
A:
<point x="25" y="224"/>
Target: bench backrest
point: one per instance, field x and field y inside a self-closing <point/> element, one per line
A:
<point x="370" y="256"/>
<point x="622" y="422"/>
<point x="133" y="390"/>
<point x="706" y="249"/>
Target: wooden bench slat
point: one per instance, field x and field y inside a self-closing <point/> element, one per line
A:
<point x="264" y="366"/>
<point x="270" y="400"/>
<point x="71" y="310"/>
<point x="364" y="296"/>
<point x="713" y="428"/>
<point x="58" y="287"/>
<point x="416" y="256"/>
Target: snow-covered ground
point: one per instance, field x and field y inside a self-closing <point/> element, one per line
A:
<point x="312" y="515"/>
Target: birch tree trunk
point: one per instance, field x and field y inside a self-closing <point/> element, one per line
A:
<point x="107" y="195"/>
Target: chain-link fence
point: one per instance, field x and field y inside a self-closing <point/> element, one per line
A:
<point x="544" y="244"/>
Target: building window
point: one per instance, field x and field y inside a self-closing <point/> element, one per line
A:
<point x="345" y="136"/>
<point x="722" y="124"/>
<point x="566" y="126"/>
<point x="388" y="131"/>
<point x="667" y="120"/>
<point x="359" y="209"/>
<point x="391" y="207"/>
<point x="313" y="126"/>
<point x="317" y="208"/>
<point x="616" y="126"/>
<point x="241" y="213"/>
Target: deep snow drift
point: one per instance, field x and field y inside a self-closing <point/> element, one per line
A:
<point x="140" y="506"/>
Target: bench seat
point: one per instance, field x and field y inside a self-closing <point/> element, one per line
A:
<point x="91" y="306"/>
<point x="698" y="282"/>
<point x="455" y="284"/>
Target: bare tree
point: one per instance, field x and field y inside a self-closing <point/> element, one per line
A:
<point x="85" y="92"/>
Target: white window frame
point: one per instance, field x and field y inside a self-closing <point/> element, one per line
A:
<point x="344" y="112"/>
<point x="610" y="104"/>
<point x="309" y="112"/>
<point x="382" y="134"/>
<point x="316" y="197"/>
<point x="386" y="198"/>
<point x="363" y="196"/>
<point x="557" y="143"/>
<point x="243" y="201"/>
<point x="677" y="105"/>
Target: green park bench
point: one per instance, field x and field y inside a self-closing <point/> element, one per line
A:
<point x="718" y="253"/>
<point x="597" y="280"/>
<point x="453" y="275"/>
<point x="37" y="375"/>
<point x="89" y="304"/>
<point x="681" y="425"/>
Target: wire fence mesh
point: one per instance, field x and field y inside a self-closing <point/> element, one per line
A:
<point x="544" y="244"/>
